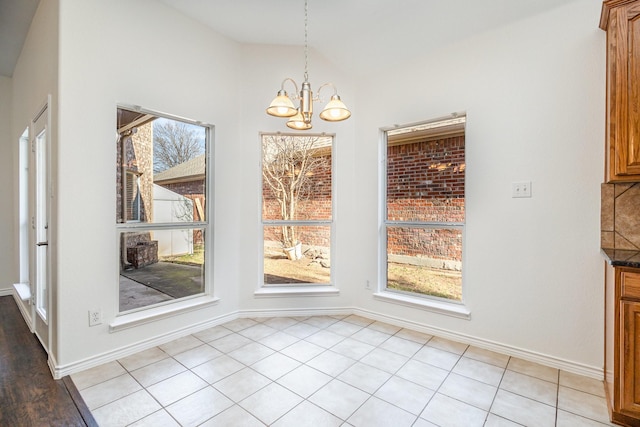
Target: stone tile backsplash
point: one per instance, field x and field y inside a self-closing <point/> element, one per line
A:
<point x="620" y="216"/>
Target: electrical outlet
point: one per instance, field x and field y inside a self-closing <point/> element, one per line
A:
<point x="521" y="189"/>
<point x="95" y="317"/>
<point x="368" y="285"/>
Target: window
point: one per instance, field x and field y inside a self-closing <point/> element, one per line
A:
<point x="24" y="225"/>
<point x="297" y="209"/>
<point x="424" y="209"/>
<point x="161" y="207"/>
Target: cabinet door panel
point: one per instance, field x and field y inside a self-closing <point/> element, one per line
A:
<point x="630" y="284"/>
<point x="632" y="148"/>
<point x="621" y="20"/>
<point x="630" y="376"/>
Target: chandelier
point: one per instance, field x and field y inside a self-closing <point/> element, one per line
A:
<point x="300" y="118"/>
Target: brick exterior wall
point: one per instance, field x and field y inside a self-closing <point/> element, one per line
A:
<point x="315" y="207"/>
<point x="193" y="190"/>
<point x="425" y="182"/>
<point x="138" y="159"/>
<point x="442" y="244"/>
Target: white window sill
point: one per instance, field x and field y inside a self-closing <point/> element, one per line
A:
<point x="440" y="307"/>
<point x="138" y="318"/>
<point x="292" y="291"/>
<point x="23" y="290"/>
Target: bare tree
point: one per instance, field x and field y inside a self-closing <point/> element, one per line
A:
<point x="288" y="164"/>
<point x="174" y="143"/>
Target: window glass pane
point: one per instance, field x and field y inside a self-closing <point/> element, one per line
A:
<point x="425" y="179"/>
<point x="297" y="187"/>
<point x="160" y="265"/>
<point x="425" y="207"/>
<point x="161" y="169"/>
<point x="425" y="261"/>
<point x="296" y="173"/>
<point x="41" y="224"/>
<point x="307" y="262"/>
<point x="161" y="176"/>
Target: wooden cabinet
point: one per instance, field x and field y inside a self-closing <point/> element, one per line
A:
<point x="622" y="344"/>
<point x="630" y="346"/>
<point x="621" y="20"/>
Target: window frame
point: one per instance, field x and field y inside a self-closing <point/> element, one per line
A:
<point x="413" y="299"/>
<point x="308" y="289"/>
<point x="129" y="318"/>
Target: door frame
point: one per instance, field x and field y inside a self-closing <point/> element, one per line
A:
<point x="41" y="324"/>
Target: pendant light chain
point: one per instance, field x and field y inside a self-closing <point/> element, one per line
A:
<point x="300" y="117"/>
<point x="306" y="43"/>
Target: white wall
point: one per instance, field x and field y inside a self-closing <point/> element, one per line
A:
<point x="6" y="189"/>
<point x="264" y="69"/>
<point x="140" y="53"/>
<point x="534" y="97"/>
<point x="35" y="78"/>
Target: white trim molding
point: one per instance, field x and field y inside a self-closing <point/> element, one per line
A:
<point x="532" y="356"/>
<point x="138" y="318"/>
<point x="294" y="291"/>
<point x="547" y="360"/>
<point x="300" y="312"/>
<point x="441" y="307"/>
<point x="109" y="356"/>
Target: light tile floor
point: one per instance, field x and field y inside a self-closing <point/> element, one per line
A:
<point x="333" y="371"/>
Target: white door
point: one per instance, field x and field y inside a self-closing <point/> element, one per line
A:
<point x="39" y="238"/>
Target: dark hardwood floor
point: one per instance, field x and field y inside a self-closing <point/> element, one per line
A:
<point x="29" y="396"/>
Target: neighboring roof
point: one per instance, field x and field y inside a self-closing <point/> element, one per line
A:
<point x="187" y="171"/>
<point x="436" y="129"/>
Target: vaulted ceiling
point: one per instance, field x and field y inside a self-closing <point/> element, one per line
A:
<point x="15" y="18"/>
<point x="360" y="35"/>
<point x="356" y="35"/>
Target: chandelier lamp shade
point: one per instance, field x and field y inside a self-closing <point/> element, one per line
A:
<point x="300" y="117"/>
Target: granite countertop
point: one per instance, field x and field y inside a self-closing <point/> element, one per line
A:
<point x="622" y="258"/>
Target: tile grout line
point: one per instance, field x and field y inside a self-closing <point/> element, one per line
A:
<point x="325" y="349"/>
<point x="506" y="366"/>
<point x="557" y="398"/>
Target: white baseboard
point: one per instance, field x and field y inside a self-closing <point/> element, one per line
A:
<point x="6" y="292"/>
<point x="60" y="371"/>
<point x="300" y="312"/>
<point x="551" y="361"/>
<point x="543" y="359"/>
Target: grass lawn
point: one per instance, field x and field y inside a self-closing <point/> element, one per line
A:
<point x="425" y="280"/>
<point x="403" y="277"/>
<point x="196" y="258"/>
